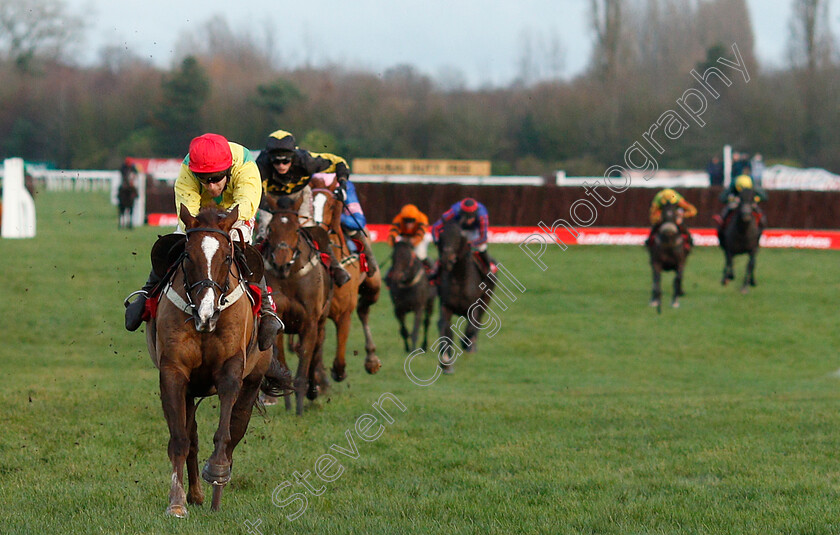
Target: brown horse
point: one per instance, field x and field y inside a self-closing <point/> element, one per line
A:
<point x="360" y="293"/>
<point x="302" y="289"/>
<point x="204" y="342"/>
<point x="410" y="291"/>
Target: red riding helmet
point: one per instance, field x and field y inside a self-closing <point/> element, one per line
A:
<point x="469" y="206"/>
<point x="210" y="153"/>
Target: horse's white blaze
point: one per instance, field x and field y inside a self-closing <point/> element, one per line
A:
<point x="207" y="305"/>
<point x="318" y="204"/>
<point x="284" y="219"/>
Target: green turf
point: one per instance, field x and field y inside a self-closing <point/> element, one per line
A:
<point x="587" y="413"/>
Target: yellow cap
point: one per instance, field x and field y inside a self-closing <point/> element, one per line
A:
<point x="743" y="182"/>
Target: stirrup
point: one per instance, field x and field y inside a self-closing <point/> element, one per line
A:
<point x="127" y="300"/>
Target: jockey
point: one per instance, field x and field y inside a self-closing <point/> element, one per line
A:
<point x="660" y="200"/>
<point x="729" y="196"/>
<point x="472" y="216"/>
<point x="353" y="224"/>
<point x="286" y="170"/>
<point x="217" y="171"/>
<point x="410" y="225"/>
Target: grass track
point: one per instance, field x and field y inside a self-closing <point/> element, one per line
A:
<point x="587" y="413"/>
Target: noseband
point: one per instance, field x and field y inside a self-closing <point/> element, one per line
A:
<point x="207" y="283"/>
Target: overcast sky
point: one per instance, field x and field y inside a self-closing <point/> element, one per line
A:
<point x="482" y="39"/>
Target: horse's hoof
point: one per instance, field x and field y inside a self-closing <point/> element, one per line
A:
<point x="195" y="496"/>
<point x="372" y="365"/>
<point x="216" y="474"/>
<point x="338" y="377"/>
<point x="752" y="283"/>
<point x="654" y="302"/>
<point x="312" y="393"/>
<point x="744" y="290"/>
<point x="268" y="401"/>
<point x="675" y="304"/>
<point x="178" y="511"/>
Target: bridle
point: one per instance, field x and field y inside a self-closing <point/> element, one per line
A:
<point x="208" y="283"/>
<point x="283" y="246"/>
<point x="413" y="272"/>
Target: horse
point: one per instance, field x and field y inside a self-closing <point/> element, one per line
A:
<point x="126" y="195"/>
<point x="203" y="339"/>
<point x="668" y="252"/>
<point x="741" y="235"/>
<point x="302" y="290"/>
<point x="410" y="291"/>
<point x="461" y="283"/>
<point x="360" y="293"/>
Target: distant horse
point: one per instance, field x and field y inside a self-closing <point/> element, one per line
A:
<point x="741" y="234"/>
<point x="302" y="290"/>
<point x="461" y="283"/>
<point x="126" y="195"/>
<point x="360" y="293"/>
<point x="668" y="252"/>
<point x="204" y="342"/>
<point x="411" y="291"/>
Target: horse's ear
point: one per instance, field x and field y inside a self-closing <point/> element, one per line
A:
<point x="186" y="216"/>
<point x="227" y="222"/>
<point x="272" y="203"/>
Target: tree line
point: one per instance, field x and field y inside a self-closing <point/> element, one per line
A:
<point x="53" y="110"/>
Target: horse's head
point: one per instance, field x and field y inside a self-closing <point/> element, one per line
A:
<point x="746" y="205"/>
<point x="324" y="204"/>
<point x="672" y="213"/>
<point x="452" y="245"/>
<point x="404" y="264"/>
<point x="208" y="255"/>
<point x="281" y="247"/>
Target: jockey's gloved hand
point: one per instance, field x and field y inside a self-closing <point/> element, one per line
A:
<point x="341" y="191"/>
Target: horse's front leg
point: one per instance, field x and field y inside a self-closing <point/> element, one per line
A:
<point x="342" y="331"/>
<point x="427" y="319"/>
<point x="751" y="267"/>
<point x="368" y="295"/>
<point x="403" y="330"/>
<point x="728" y="273"/>
<point x="678" y="292"/>
<point x="415" y="331"/>
<point x="445" y="330"/>
<point x="656" y="290"/>
<point x="173" y="391"/>
<point x="196" y="493"/>
<point x="228" y="381"/>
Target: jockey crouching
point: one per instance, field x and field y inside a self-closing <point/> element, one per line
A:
<point x="667" y="197"/>
<point x="286" y="170"/>
<point x="224" y="173"/>
<point x="410" y="225"/>
<point x="474" y="221"/>
<point x="730" y="198"/>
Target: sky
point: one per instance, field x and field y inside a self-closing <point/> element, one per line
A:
<point x="480" y="39"/>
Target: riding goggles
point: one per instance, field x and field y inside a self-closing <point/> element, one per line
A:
<point x="211" y="178"/>
<point x="278" y="160"/>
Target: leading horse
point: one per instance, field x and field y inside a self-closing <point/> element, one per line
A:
<point x="461" y="284"/>
<point x="668" y="252"/>
<point x="360" y="293"/>
<point x="203" y="340"/>
<point x="741" y="235"/>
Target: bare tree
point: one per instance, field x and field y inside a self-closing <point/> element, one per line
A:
<point x="811" y="42"/>
<point x="606" y="20"/>
<point x="36" y="28"/>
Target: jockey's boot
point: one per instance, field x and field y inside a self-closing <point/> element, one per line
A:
<point x="270" y="322"/>
<point x="277" y="380"/>
<point x="367" y="251"/>
<point x="134" y="310"/>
